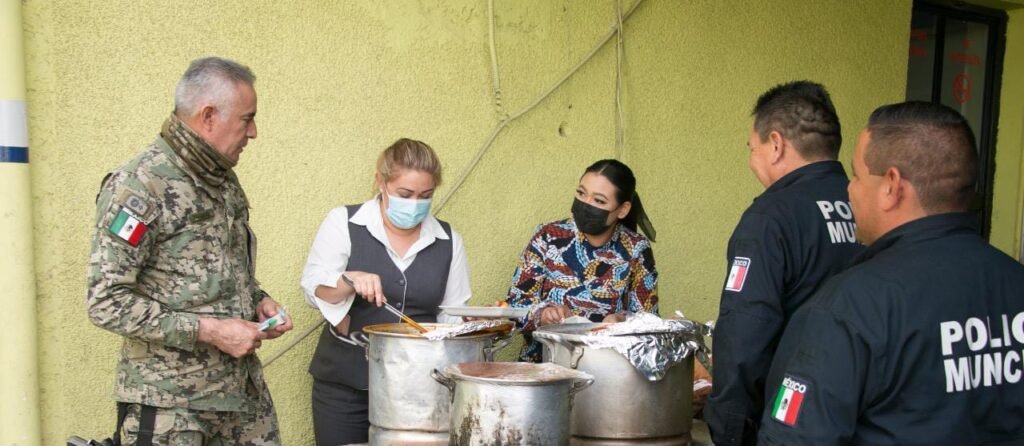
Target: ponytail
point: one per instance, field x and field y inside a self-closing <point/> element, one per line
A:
<point x="637" y="220"/>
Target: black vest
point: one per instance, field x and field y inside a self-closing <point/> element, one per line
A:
<point x="417" y="292"/>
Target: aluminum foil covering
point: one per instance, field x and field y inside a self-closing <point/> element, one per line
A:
<point x="451" y="331"/>
<point x="651" y="344"/>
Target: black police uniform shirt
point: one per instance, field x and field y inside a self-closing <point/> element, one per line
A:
<point x="920" y="342"/>
<point x="795" y="235"/>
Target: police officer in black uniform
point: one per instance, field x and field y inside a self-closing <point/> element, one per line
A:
<point x="921" y="341"/>
<point x="795" y="235"/>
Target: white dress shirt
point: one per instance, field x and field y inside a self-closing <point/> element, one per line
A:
<point x="332" y="247"/>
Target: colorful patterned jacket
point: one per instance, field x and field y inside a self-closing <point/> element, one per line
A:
<point x="559" y="266"/>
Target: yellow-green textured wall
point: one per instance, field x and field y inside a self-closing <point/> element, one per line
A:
<point x="339" y="80"/>
<point x="1008" y="191"/>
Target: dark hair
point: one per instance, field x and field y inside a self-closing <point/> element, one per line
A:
<point x="933" y="147"/>
<point x="803" y="113"/>
<point x="620" y="175"/>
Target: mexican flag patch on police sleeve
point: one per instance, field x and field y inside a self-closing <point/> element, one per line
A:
<point x="788" y="401"/>
<point x="128" y="227"/>
<point x="737" y="274"/>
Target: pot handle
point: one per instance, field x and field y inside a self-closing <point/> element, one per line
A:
<point x="360" y="338"/>
<point x="574" y="358"/>
<point x="579" y="385"/>
<point x="356" y="338"/>
<point x="500" y="343"/>
<point x="702" y="356"/>
<point x="444" y="380"/>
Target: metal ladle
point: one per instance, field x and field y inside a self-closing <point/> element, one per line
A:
<point x="405" y="318"/>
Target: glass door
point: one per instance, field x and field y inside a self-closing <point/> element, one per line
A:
<point x="955" y="59"/>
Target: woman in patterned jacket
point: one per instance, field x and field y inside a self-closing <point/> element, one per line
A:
<point x="595" y="264"/>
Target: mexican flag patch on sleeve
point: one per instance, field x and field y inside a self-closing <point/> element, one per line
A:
<point x="128" y="227"/>
<point x="737" y="274"/>
<point x="788" y="401"/>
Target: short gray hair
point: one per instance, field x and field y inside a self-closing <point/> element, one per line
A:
<point x="209" y="80"/>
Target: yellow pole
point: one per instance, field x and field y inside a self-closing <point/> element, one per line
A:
<point x="19" y="364"/>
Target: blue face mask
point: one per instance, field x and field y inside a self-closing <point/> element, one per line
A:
<point x="406" y="213"/>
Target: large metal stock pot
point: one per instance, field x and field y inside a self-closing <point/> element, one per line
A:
<point x="511" y="403"/>
<point x="623" y="403"/>
<point x="402" y="394"/>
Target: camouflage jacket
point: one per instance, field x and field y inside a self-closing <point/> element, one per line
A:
<point x="167" y="250"/>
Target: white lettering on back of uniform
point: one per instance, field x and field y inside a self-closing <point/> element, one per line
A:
<point x="842" y="229"/>
<point x="987" y="356"/>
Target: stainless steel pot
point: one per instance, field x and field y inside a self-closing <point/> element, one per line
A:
<point x="511" y="403"/>
<point x="390" y="437"/>
<point x="623" y="404"/>
<point x="402" y="394"/>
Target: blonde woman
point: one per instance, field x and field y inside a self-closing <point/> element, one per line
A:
<point x="388" y="249"/>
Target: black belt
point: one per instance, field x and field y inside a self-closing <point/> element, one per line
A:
<point x="147" y="418"/>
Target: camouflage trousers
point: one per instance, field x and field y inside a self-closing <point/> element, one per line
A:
<point x="185" y="427"/>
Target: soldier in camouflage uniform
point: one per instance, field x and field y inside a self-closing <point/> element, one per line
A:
<point x="172" y="270"/>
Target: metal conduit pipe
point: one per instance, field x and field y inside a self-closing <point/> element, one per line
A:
<point x="19" y="373"/>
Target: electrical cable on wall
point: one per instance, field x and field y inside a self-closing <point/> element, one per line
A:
<point x="505" y="120"/>
<point x="499" y="106"/>
<point x="620" y="124"/>
<point x="615" y="29"/>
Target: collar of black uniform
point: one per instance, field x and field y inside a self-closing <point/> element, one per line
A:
<point x="922" y="229"/>
<point x="811" y="171"/>
<point x="211" y="167"/>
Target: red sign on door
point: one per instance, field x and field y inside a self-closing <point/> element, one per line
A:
<point x="962" y="88"/>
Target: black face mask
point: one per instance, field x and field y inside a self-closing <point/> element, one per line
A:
<point x="589" y="219"/>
